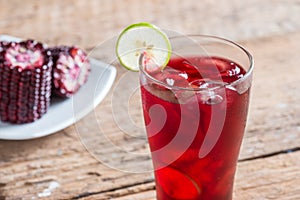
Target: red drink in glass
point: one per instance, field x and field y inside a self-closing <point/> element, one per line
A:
<point x="195" y="114"/>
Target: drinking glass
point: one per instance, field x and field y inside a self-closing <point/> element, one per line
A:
<point x="194" y="125"/>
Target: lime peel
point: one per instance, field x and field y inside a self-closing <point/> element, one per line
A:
<point x="142" y="38"/>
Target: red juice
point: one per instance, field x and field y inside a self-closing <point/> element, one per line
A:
<point x="195" y="136"/>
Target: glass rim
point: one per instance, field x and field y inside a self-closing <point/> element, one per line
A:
<point x="216" y="38"/>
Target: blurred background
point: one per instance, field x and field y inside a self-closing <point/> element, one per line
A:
<point x="88" y="23"/>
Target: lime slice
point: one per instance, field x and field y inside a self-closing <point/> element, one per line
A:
<point x="142" y="38"/>
<point x="176" y="184"/>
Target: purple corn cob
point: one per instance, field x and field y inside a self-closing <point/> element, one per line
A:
<point x="25" y="81"/>
<point x="70" y="70"/>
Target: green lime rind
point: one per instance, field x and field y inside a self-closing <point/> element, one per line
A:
<point x="166" y="57"/>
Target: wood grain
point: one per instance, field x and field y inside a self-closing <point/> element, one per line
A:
<point x="260" y="179"/>
<point x="28" y="167"/>
<point x="93" y="22"/>
<point x="265" y="171"/>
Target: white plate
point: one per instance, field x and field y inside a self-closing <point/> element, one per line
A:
<point x="64" y="112"/>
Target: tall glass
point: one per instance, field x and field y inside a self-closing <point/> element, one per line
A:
<point x="195" y="113"/>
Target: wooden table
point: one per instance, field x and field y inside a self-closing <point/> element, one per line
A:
<point x="59" y="166"/>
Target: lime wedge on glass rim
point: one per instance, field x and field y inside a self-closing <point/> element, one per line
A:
<point x="143" y="38"/>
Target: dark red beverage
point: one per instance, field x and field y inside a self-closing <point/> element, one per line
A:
<point x="194" y="134"/>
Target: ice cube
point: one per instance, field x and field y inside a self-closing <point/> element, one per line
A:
<point x="170" y="81"/>
<point x="207" y="84"/>
<point x="162" y="92"/>
<point x="211" y="92"/>
<point x="213" y="99"/>
<point x="231" y="72"/>
<point x="173" y="77"/>
<point x="151" y="65"/>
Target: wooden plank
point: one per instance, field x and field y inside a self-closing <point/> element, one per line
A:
<point x="29" y="167"/>
<point x="274" y="115"/>
<point x="90" y="23"/>
<point x="144" y="191"/>
<point x="274" y="177"/>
